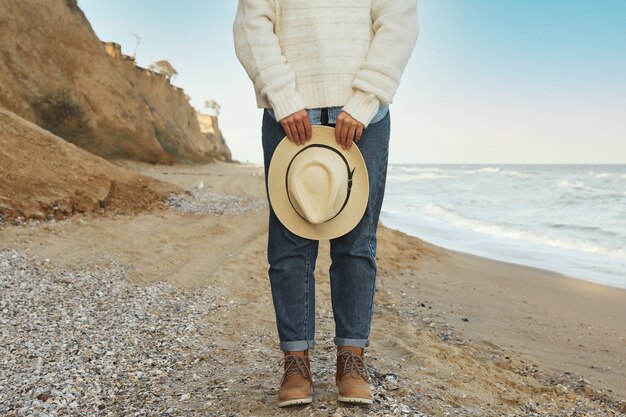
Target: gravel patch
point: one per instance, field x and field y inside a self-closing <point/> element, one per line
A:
<point x="89" y="342"/>
<point x="211" y="203"/>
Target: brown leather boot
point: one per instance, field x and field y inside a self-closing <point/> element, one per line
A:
<point x="296" y="386"/>
<point x="352" y="376"/>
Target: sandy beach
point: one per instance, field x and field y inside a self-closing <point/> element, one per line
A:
<point x="453" y="334"/>
<point x="133" y="269"/>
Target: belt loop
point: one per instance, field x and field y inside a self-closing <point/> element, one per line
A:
<point x="324" y="116"/>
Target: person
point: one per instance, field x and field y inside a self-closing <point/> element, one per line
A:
<point x="336" y="64"/>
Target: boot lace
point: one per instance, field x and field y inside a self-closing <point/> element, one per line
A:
<point x="294" y="365"/>
<point x="352" y="363"/>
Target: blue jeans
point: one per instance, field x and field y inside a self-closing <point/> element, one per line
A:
<point x="353" y="268"/>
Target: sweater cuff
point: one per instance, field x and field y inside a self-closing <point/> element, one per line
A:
<point x="362" y="107"/>
<point x="285" y="103"/>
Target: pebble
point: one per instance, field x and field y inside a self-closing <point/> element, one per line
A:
<point x="193" y="201"/>
<point x="76" y="342"/>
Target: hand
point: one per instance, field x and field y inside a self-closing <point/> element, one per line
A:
<point x="347" y="130"/>
<point x="297" y="127"/>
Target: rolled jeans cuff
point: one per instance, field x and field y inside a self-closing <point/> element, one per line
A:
<point x="297" y="345"/>
<point x="340" y="341"/>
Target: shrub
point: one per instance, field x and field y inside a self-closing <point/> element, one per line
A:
<point x="59" y="113"/>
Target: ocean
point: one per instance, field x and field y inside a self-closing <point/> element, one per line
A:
<point x="565" y="218"/>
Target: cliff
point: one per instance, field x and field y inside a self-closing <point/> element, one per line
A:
<point x="209" y="127"/>
<point x="54" y="71"/>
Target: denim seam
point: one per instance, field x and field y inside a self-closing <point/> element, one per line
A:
<point x="373" y="226"/>
<point x="306" y="295"/>
<point x="372" y="230"/>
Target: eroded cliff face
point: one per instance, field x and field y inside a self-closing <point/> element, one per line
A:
<point x="209" y="127"/>
<point x="54" y="71"/>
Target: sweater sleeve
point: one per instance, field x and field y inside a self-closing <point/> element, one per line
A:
<point x="259" y="51"/>
<point x="396" y="29"/>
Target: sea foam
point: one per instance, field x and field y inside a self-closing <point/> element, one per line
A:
<point x="566" y="218"/>
<point x="442" y="213"/>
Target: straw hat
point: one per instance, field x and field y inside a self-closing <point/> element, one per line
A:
<point x="318" y="190"/>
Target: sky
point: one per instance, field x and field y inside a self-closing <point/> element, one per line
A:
<point x="490" y="81"/>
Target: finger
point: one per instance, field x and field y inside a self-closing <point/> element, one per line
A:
<point x="350" y="136"/>
<point x="344" y="135"/>
<point x="301" y="132"/>
<point x="288" y="132"/>
<point x="307" y="128"/>
<point x="338" y="124"/>
<point x="359" y="132"/>
<point x="294" y="132"/>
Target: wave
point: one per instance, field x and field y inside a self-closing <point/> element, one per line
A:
<point x="497" y="230"/>
<point x="424" y="176"/>
<point x="498" y="170"/>
<point x="583" y="228"/>
<point x="483" y="170"/>
<point x="425" y="169"/>
<point x="516" y="173"/>
<point x="415" y="170"/>
<point x="605" y="174"/>
<point x="576" y="185"/>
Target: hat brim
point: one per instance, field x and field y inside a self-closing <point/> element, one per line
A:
<point x="354" y="209"/>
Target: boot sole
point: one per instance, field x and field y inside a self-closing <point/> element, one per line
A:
<point x="355" y="400"/>
<point x="297" y="401"/>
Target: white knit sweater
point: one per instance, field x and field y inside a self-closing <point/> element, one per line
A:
<point x="323" y="53"/>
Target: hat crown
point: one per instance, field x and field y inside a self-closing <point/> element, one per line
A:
<point x="317" y="183"/>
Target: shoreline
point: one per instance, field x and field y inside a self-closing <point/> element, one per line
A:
<point x="462" y="331"/>
<point x="512" y="262"/>
<point x="523" y="215"/>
